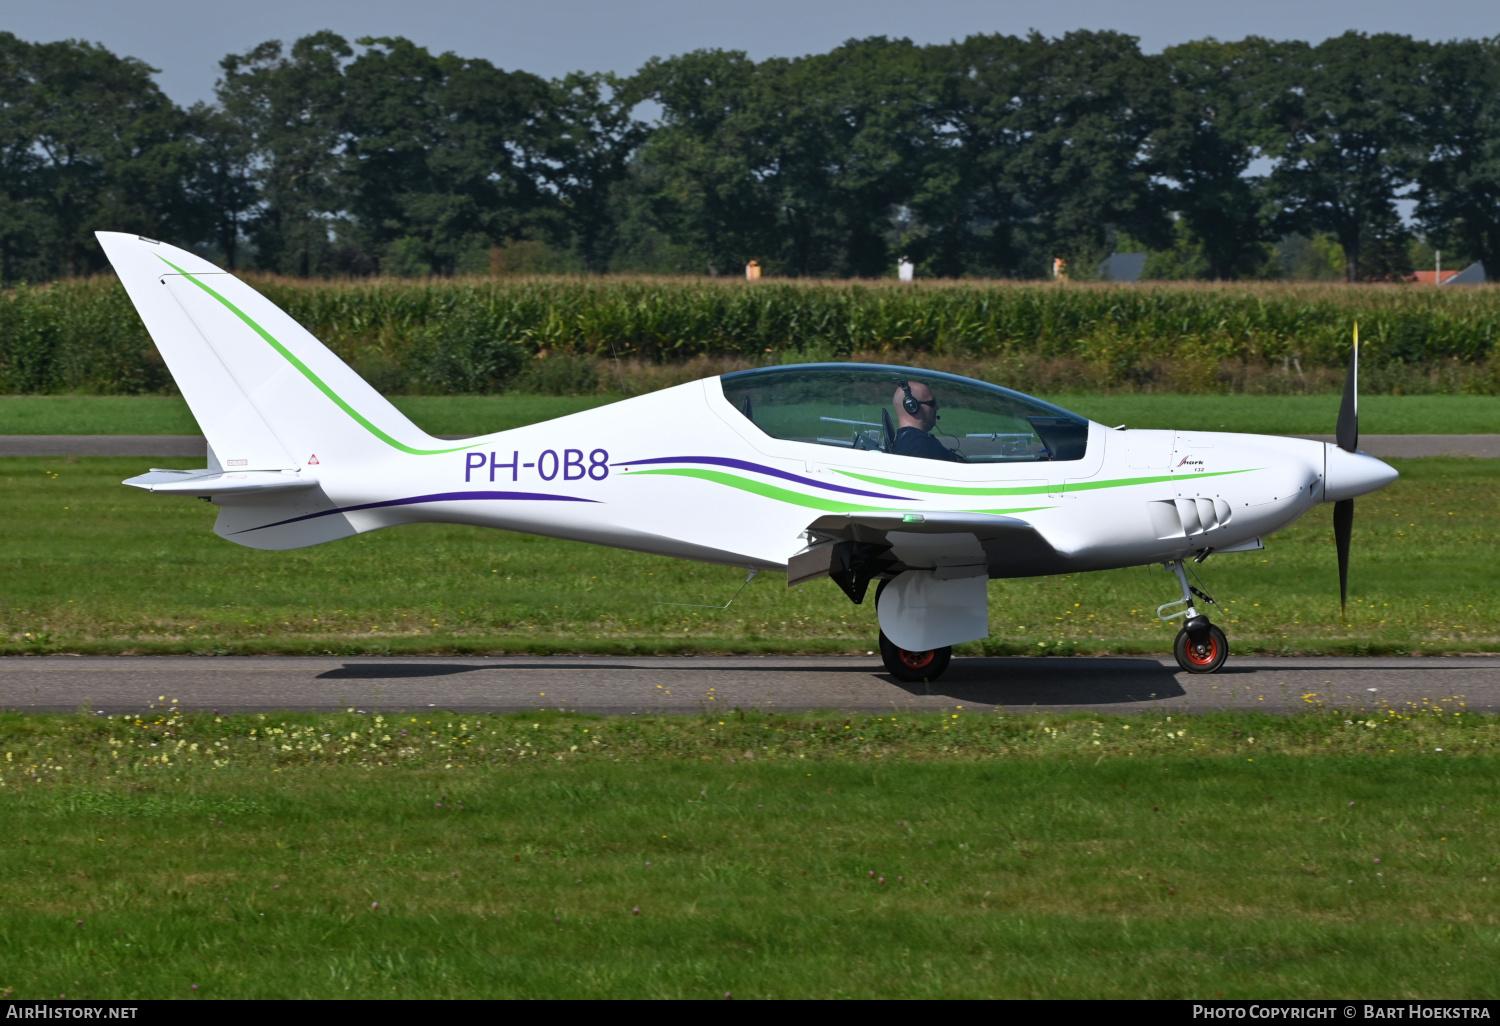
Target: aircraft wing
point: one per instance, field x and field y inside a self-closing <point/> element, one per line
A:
<point x="956" y="544"/>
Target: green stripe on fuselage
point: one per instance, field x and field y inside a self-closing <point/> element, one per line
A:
<point x="1069" y="486"/>
<point x="770" y="491"/>
<point x="760" y="488"/>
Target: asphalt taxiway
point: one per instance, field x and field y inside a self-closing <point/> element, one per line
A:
<point x="616" y="685"/>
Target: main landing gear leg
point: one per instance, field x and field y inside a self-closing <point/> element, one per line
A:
<point x="1200" y="647"/>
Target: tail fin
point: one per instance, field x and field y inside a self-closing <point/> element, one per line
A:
<point x="267" y="394"/>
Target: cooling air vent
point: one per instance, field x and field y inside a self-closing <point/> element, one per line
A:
<point x="1187" y="517"/>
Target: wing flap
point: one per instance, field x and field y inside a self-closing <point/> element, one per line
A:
<point x="984" y="526"/>
<point x="950" y="544"/>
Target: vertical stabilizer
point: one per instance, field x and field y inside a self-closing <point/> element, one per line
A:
<point x="267" y="394"/>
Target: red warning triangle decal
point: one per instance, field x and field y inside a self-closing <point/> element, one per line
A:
<point x="313" y="459"/>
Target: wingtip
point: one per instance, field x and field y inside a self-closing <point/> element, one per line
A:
<point x="124" y="237"/>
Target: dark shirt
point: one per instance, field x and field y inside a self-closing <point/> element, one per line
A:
<point x="912" y="441"/>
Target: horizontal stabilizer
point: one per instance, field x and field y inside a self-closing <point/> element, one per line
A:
<point x="208" y="482"/>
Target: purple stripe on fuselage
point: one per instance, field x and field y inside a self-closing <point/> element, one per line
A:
<point x="435" y="497"/>
<point x="759" y="468"/>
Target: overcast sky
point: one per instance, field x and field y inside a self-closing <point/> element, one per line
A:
<point x="186" y="38"/>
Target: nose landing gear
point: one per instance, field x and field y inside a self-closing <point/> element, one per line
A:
<point x="1201" y="646"/>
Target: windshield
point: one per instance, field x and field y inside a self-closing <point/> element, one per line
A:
<point x="905" y="411"/>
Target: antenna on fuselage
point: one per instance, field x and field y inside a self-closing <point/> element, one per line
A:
<point x="698" y="605"/>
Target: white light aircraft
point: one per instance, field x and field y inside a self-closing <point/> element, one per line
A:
<point x="846" y="471"/>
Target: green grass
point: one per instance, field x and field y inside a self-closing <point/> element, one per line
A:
<point x="474" y="415"/>
<point x="551" y="855"/>
<point x="90" y="566"/>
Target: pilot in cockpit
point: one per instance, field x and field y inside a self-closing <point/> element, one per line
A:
<point x="916" y="416"/>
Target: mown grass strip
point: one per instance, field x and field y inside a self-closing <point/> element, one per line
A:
<point x="164" y="736"/>
<point x="549" y="855"/>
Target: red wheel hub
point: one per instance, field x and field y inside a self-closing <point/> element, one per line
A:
<point x="1205" y="654"/>
<point x="916" y="660"/>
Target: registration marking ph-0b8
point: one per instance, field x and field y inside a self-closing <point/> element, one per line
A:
<point x="548" y="465"/>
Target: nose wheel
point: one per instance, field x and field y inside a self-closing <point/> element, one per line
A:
<point x="1200" y="647"/>
<point x="912" y="667"/>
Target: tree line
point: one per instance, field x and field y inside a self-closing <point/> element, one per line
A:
<point x="990" y="157"/>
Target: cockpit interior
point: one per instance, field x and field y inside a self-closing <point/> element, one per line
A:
<point x="860" y="406"/>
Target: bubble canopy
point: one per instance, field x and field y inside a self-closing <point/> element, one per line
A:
<point x="859" y="406"/>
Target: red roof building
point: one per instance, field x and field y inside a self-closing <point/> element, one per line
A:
<point x="1431" y="277"/>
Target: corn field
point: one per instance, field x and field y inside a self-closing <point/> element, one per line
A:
<point x="561" y="334"/>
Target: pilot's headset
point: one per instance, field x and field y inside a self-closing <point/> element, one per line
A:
<point x="911" y="404"/>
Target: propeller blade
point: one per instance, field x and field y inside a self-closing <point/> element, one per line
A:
<point x="1348" y="428"/>
<point x="1343" y="528"/>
